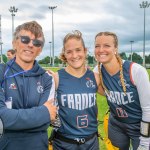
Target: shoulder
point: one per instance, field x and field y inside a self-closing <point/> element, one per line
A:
<point x="136" y="71"/>
<point x="95" y="69"/>
<point x="136" y="68"/>
<point x="99" y="84"/>
<point x="96" y="75"/>
<point x="56" y="79"/>
<point x="54" y="76"/>
<point x="48" y="77"/>
<point x="2" y="66"/>
<point x="2" y="71"/>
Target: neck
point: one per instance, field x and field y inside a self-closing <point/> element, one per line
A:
<point x="112" y="67"/>
<point x="24" y="65"/>
<point x="78" y="72"/>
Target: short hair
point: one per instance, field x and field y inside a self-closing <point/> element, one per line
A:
<point x="12" y="51"/>
<point x="31" y="26"/>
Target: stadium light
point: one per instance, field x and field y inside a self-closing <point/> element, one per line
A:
<point x="53" y="56"/>
<point x="13" y="10"/>
<point x="144" y="4"/>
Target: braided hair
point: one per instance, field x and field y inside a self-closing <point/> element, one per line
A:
<point x="118" y="59"/>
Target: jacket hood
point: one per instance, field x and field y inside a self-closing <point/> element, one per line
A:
<point x="35" y="71"/>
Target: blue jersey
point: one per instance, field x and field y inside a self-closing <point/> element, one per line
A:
<point x="77" y="104"/>
<point x="124" y="107"/>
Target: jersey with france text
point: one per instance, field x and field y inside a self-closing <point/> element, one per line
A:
<point x="124" y="107"/>
<point x="77" y="104"/>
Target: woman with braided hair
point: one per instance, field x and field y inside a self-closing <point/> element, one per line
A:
<point x="127" y="89"/>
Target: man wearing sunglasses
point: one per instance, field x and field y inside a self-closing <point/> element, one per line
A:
<point x="26" y="93"/>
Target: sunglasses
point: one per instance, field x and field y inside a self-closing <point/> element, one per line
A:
<point x="35" y="42"/>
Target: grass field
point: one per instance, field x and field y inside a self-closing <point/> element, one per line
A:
<point x="148" y="70"/>
<point x="102" y="108"/>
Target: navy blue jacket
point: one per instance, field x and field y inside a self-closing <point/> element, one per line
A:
<point x="28" y="92"/>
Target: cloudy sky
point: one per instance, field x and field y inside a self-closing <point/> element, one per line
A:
<point x="124" y="17"/>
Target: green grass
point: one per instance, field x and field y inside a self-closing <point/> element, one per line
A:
<point x="148" y="70"/>
<point x="102" y="108"/>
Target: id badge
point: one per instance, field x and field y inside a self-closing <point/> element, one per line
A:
<point x="9" y="103"/>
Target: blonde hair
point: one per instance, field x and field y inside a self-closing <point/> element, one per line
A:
<point x="118" y="58"/>
<point x="74" y="35"/>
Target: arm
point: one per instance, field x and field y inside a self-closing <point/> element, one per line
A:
<point x="55" y="77"/>
<point x="19" y="119"/>
<point x="141" y="80"/>
<point x="100" y="88"/>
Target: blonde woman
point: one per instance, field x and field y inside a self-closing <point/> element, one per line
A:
<point x="127" y="89"/>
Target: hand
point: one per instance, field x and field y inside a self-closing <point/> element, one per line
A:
<point x="144" y="143"/>
<point x="57" y="123"/>
<point x="52" y="109"/>
<point x="141" y="147"/>
<point x="50" y="72"/>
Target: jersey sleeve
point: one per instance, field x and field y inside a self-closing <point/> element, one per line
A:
<point x="140" y="79"/>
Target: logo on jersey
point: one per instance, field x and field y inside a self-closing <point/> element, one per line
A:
<point x="125" y="83"/>
<point x="121" y="113"/>
<point x="39" y="87"/>
<point x="90" y="83"/>
<point x="12" y="86"/>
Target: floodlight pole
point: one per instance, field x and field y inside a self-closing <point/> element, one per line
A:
<point x="53" y="56"/>
<point x="131" y="49"/>
<point x="144" y="4"/>
<point x="13" y="10"/>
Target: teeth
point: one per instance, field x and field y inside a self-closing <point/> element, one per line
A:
<point x="28" y="51"/>
<point x="76" y="60"/>
<point x="102" y="55"/>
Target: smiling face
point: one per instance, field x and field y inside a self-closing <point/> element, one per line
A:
<point x="26" y="53"/>
<point x="105" y="48"/>
<point x="75" y="53"/>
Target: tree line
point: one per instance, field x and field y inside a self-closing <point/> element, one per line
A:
<point x="91" y="60"/>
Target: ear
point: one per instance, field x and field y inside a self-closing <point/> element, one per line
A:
<point x="39" y="52"/>
<point x="116" y="51"/>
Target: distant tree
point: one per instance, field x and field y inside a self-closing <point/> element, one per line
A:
<point x="136" y="58"/>
<point x="4" y="58"/>
<point x="90" y="59"/>
<point x="147" y="59"/>
<point x="57" y="60"/>
<point x="123" y="55"/>
<point x="46" y="60"/>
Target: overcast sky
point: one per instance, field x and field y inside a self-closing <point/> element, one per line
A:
<point x="124" y="17"/>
